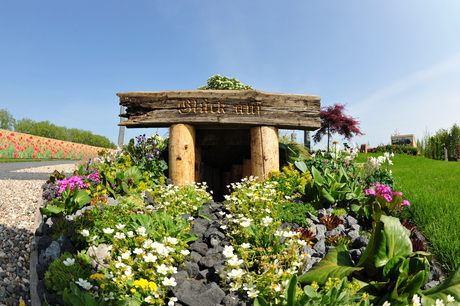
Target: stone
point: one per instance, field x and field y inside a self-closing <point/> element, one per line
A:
<point x="53" y="252"/>
<point x="44" y="242"/>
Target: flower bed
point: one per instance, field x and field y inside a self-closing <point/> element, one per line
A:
<point x="19" y="145"/>
<point x="311" y="235"/>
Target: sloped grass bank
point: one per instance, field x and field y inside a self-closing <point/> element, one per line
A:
<point x="433" y="189"/>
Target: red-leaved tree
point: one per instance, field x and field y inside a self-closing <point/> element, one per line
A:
<point x="334" y="120"/>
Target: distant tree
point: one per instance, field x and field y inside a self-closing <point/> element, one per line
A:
<point x="25" y="125"/>
<point x="7" y="122"/>
<point x="217" y="82"/>
<point x="334" y="120"/>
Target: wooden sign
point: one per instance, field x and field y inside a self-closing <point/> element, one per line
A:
<point x="220" y="108"/>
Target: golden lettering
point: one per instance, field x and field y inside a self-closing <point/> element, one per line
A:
<point x="218" y="107"/>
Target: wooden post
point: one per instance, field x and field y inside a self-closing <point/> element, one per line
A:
<point x="264" y="151"/>
<point x="182" y="154"/>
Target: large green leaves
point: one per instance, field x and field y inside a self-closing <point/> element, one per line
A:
<point x="336" y="263"/>
<point x="389" y="239"/>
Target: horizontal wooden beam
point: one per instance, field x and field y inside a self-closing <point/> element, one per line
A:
<point x="220" y="108"/>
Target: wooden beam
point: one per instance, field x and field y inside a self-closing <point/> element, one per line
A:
<point x="182" y="154"/>
<point x="264" y="151"/>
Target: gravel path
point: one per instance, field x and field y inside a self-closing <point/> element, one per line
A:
<point x="20" y="189"/>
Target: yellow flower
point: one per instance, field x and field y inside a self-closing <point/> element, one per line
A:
<point x="133" y="290"/>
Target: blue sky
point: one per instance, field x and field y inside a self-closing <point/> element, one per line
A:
<point x="395" y="64"/>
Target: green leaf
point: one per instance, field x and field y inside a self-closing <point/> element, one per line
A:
<point x="129" y="302"/>
<point x="291" y="291"/>
<point x="450" y="286"/>
<point x="367" y="258"/>
<point x="51" y="210"/>
<point x="260" y="301"/>
<point x="336" y="263"/>
<point x="301" y="165"/>
<point x="395" y="241"/>
<point x="317" y="176"/>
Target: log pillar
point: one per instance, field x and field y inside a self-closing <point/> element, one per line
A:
<point x="264" y="151"/>
<point x="182" y="154"/>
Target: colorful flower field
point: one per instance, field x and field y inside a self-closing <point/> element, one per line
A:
<point x="19" y="145"/>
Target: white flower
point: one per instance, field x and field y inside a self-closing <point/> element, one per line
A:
<point x="439" y="302"/>
<point x="141" y="231"/>
<point x="245" y="223"/>
<point x="416" y="300"/>
<point x="276" y="287"/>
<point x="172" y="300"/>
<point x="246" y="245"/>
<point x="149" y="299"/>
<point x="234" y="261"/>
<point x="130" y="234"/>
<point x="228" y="251"/>
<point x="386" y="304"/>
<point x="69" y="262"/>
<point x="119" y="235"/>
<point x="138" y="251"/>
<point x="147" y="244"/>
<point x="169" y="281"/>
<point x="108" y="230"/>
<point x="126" y="254"/>
<point x="162" y="269"/>
<point x="253" y="293"/>
<point x="236" y="273"/>
<point x="84" y="283"/>
<point x="120" y="226"/>
<point x="266" y="221"/>
<point x="85" y="233"/>
<point x="171" y="240"/>
<point x="248" y="286"/>
<point x="450" y="298"/>
<point x="150" y="257"/>
<point x="234" y="286"/>
<point x="185" y="252"/>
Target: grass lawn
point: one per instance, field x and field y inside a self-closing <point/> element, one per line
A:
<point x="433" y="189"/>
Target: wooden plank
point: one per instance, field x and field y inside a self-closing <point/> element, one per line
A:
<point x="264" y="151"/>
<point x="182" y="154"/>
<point x="217" y="108"/>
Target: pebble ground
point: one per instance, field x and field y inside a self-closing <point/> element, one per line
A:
<point x="19" y="204"/>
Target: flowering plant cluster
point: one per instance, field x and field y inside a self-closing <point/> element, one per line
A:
<point x="179" y="200"/>
<point x="262" y="256"/>
<point x="386" y="192"/>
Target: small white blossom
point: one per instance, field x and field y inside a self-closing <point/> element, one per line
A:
<point x="108" y="230"/>
<point x="169" y="281"/>
<point x="69" y="262"/>
<point x="85" y="233"/>
<point x="84" y="283"/>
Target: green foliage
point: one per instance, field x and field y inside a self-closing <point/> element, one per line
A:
<point x="433" y="146"/>
<point x="180" y="200"/>
<point x="145" y="153"/>
<point x="76" y="297"/>
<point x="392" y="272"/>
<point x="330" y="188"/>
<point x="432" y="186"/>
<point x="59" y="276"/>
<point x="292" y="212"/>
<point x="217" y="82"/>
<point x="71" y="200"/>
<point x="122" y="182"/>
<point x="7" y="121"/>
<point x="396" y="150"/>
<point x="49" y="130"/>
<point x="289" y="181"/>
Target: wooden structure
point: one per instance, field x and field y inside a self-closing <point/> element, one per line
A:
<point x="220" y="136"/>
